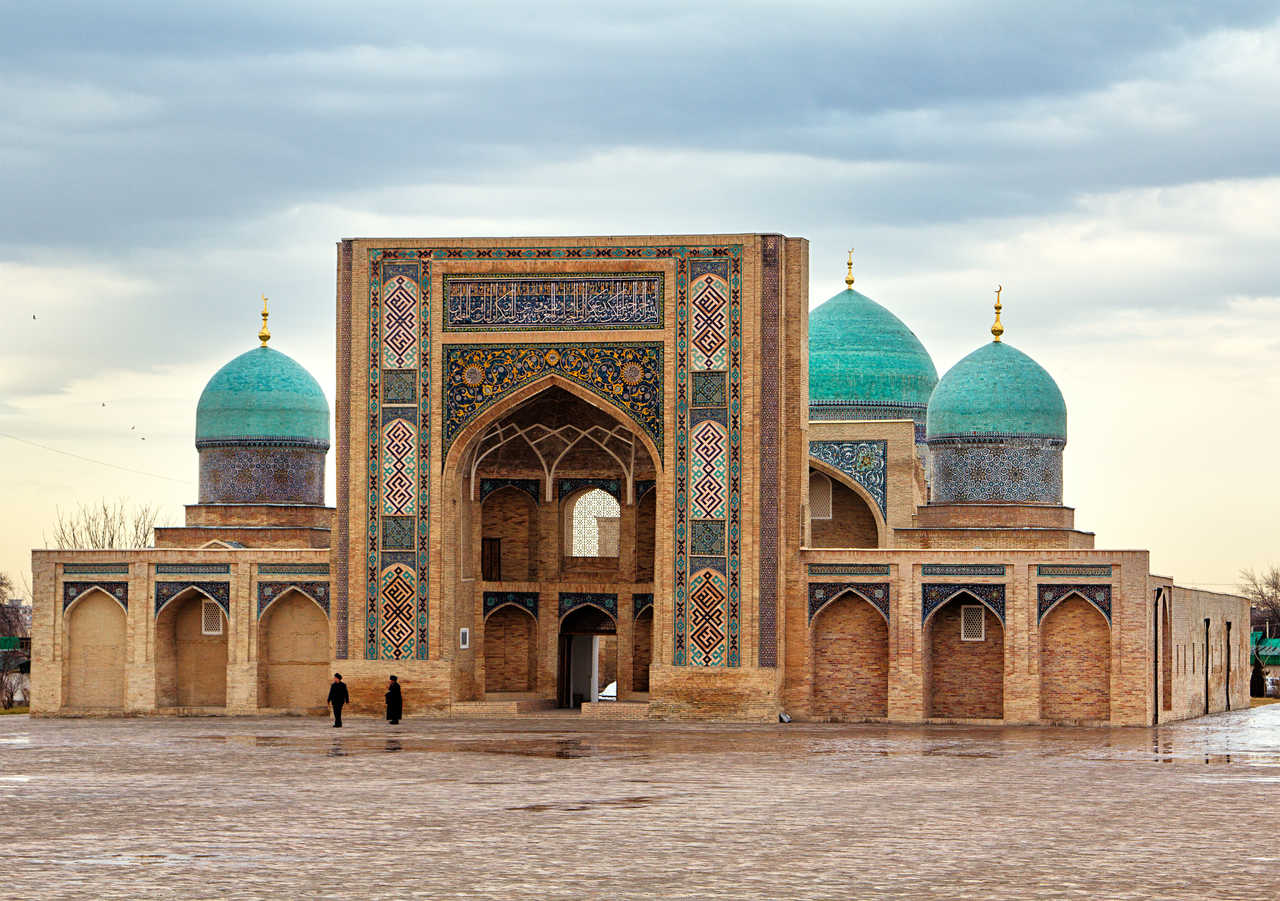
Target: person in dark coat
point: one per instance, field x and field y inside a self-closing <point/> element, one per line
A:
<point x="395" y="704"/>
<point x="337" y="697"/>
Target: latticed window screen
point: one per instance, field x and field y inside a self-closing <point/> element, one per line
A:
<point x="594" y="525"/>
<point x="210" y="618"/>
<point x="972" y="627"/>
<point x="819" y="496"/>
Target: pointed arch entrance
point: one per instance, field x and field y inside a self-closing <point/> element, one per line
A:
<point x="850" y="660"/>
<point x="555" y="494"/>
<point x="191" y="652"/>
<point x="1075" y="662"/>
<point x="95" y="629"/>
<point x="293" y="652"/>
<point x="964" y="660"/>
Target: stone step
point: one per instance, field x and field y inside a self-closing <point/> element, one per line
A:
<point x="512" y="707"/>
<point x="616" y="710"/>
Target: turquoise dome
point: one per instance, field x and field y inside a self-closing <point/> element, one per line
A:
<point x="263" y="395"/>
<point x="860" y="353"/>
<point x="997" y="390"/>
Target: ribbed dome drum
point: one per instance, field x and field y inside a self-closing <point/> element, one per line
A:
<point x="262" y="432"/>
<point x="996" y="428"/>
<point x="864" y="363"/>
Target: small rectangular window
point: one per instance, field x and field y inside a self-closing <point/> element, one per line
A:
<point x="972" y="623"/>
<point x="210" y="618"/>
<point x="464" y="638"/>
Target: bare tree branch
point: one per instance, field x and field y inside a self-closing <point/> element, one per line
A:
<point x="104" y="524"/>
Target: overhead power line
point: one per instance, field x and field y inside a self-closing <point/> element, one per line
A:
<point x="138" y="472"/>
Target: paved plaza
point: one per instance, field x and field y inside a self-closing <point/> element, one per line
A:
<point x="556" y="807"/>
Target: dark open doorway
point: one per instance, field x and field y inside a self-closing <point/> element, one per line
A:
<point x="582" y="633"/>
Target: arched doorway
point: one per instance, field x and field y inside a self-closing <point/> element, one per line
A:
<point x="191" y="652"/>
<point x="964" y="661"/>
<point x="838" y="515"/>
<point x="850" y="660"/>
<point x="1166" y="657"/>
<point x="293" y="652"/>
<point x="509" y="536"/>
<point x="1075" y="662"/>
<point x="95" y="625"/>
<point x="510" y="650"/>
<point x="584" y="631"/>
<point x="642" y="650"/>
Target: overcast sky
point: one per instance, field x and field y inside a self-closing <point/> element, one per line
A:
<point x="1115" y="166"/>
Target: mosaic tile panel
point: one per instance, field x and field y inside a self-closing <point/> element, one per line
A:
<point x="218" y="591"/>
<point x="1097" y="595"/>
<point x="1059" y="570"/>
<point x="707" y="597"/>
<point x="963" y="569"/>
<point x="768" y="436"/>
<point x="73" y="590"/>
<point x="95" y="569"/>
<point x="398" y="566"/>
<point x="566" y="487"/>
<point x="708" y="389"/>
<point x="207" y="569"/>
<point x="572" y="600"/>
<point x="269" y="591"/>
<point x="531" y="487"/>
<point x="540" y="302"/>
<point x="848" y="569"/>
<point x="706" y="537"/>
<point x="628" y="375"/>
<point x="643" y="487"/>
<point x="525" y="600"/>
<point x="293" y="569"/>
<point x="1008" y="470"/>
<point x="258" y="475"/>
<point x="866" y="462"/>
<point x="639" y="602"/>
<point x="823" y="593"/>
<point x="934" y="595"/>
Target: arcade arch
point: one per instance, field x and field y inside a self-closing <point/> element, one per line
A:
<point x="95" y="630"/>
<point x="293" y="652"/>
<point x="1075" y="662"/>
<point x="850" y="660"/>
<point x="964" y="660"/>
<point x="191" y="652"/>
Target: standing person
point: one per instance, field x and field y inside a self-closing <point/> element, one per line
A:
<point x="337" y="697"/>
<point x="395" y="704"/>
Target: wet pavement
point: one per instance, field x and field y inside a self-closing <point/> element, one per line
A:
<point x="549" y="807"/>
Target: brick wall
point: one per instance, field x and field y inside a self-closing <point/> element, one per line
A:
<point x="1075" y="663"/>
<point x="642" y="651"/>
<point x="510" y="651"/>
<point x="852" y="524"/>
<point x="850" y="661"/>
<point x="966" y="678"/>
<point x="509" y="516"/>
<point x="645" y="511"/>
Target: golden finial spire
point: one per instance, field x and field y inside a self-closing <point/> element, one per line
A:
<point x="997" y="330"/>
<point x="264" y="335"/>
<point x="848" y="279"/>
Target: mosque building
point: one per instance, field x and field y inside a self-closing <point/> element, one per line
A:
<point x="639" y="462"/>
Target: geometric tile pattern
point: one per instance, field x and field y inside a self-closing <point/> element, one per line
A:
<point x="118" y="590"/>
<point x="848" y="569"/>
<point x="531" y="487"/>
<point x="768" y="443"/>
<point x="539" y="302"/>
<point x="398" y="564"/>
<point x="706" y="537"/>
<point x="823" y="593"/>
<point x="627" y="375"/>
<point x="95" y="569"/>
<point x="572" y="600"/>
<point x="640" y="601"/>
<point x="1056" y="570"/>
<point x="962" y="569"/>
<point x="1008" y="470"/>
<point x="566" y="487"/>
<point x="218" y="591"/>
<point x="269" y="591"/>
<point x="934" y="595"/>
<point x="256" y="475"/>
<point x="207" y="569"/>
<point x="525" y="600"/>
<point x="1097" y="595"/>
<point x="864" y="461"/>
<point x="293" y="569"/>
<point x="707" y="599"/>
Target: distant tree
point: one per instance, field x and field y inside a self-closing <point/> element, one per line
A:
<point x="13" y="624"/>
<point x="105" y="524"/>
<point x="1262" y="588"/>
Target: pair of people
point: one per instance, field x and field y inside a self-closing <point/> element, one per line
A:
<point x="339" y="696"/>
